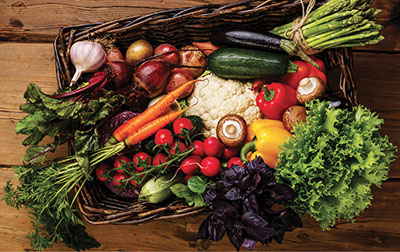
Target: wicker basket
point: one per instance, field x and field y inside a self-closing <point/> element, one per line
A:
<point x="179" y="27"/>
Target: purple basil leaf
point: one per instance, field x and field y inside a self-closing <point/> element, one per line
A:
<point x="290" y="219"/>
<point x="257" y="165"/>
<point x="209" y="195"/>
<point x="234" y="194"/>
<point x="234" y="174"/>
<point x="257" y="228"/>
<point x="285" y="191"/>
<point x="279" y="236"/>
<point x="249" y="243"/>
<point x="250" y="204"/>
<point x="211" y="229"/>
<point x="235" y="233"/>
<point x="225" y="211"/>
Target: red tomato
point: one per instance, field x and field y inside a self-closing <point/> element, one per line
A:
<point x="190" y="165"/>
<point x="142" y="156"/>
<point x="229" y="153"/>
<point x="117" y="178"/>
<point x="121" y="159"/>
<point x="182" y="123"/>
<point x="133" y="181"/>
<point x="213" y="147"/>
<point x="164" y="136"/>
<point x="210" y="166"/>
<point x="236" y="161"/>
<point x="160" y="158"/>
<point x="100" y="170"/>
<point x="198" y="148"/>
<point x="174" y="148"/>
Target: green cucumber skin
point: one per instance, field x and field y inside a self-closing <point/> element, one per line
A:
<point x="241" y="63"/>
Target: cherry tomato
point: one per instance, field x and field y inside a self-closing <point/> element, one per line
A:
<point x="236" y="161"/>
<point x="164" y="136"/>
<point x="160" y="158"/>
<point x="182" y="123"/>
<point x="174" y="148"/>
<point x="198" y="148"/>
<point x="187" y="177"/>
<point x="213" y="147"/>
<point x="117" y="179"/>
<point x="229" y="153"/>
<point x="121" y="159"/>
<point x="100" y="170"/>
<point x="133" y="182"/>
<point x="190" y="165"/>
<point x="142" y="156"/>
<point x="210" y="166"/>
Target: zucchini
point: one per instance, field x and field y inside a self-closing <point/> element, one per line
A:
<point x="248" y="38"/>
<point x="242" y="63"/>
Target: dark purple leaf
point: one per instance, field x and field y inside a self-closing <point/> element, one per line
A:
<point x="249" y="243"/>
<point x="234" y="194"/>
<point x="209" y="195"/>
<point x="285" y="191"/>
<point x="107" y="129"/>
<point x="257" y="228"/>
<point x="235" y="233"/>
<point x="234" y="174"/>
<point x="257" y="165"/>
<point x="225" y="211"/>
<point x="290" y="219"/>
<point x="250" y="204"/>
<point x="211" y="229"/>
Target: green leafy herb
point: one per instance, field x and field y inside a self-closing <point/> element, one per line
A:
<point x="332" y="161"/>
<point x="192" y="192"/>
<point x="60" y="119"/>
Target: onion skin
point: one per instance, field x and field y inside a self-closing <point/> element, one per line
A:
<point x="152" y="76"/>
<point x="87" y="56"/>
<point x="114" y="54"/>
<point x="193" y="57"/>
<point x="120" y="72"/>
<point x="177" y="78"/>
<point x="169" y="53"/>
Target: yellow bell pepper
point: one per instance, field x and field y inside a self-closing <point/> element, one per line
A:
<point x="269" y="135"/>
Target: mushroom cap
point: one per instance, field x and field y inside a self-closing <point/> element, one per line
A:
<point x="232" y="130"/>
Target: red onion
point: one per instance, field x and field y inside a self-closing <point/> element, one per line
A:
<point x="87" y="56"/>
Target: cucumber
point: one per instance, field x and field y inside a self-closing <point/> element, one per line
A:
<point x="242" y="63"/>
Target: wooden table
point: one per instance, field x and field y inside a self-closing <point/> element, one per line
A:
<point x="27" y="30"/>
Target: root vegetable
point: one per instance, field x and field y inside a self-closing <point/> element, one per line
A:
<point x="114" y="54"/>
<point x="152" y="76"/>
<point x="87" y="56"/>
<point x="137" y="51"/>
<point x="178" y="77"/>
<point x="194" y="59"/>
<point x="168" y="53"/>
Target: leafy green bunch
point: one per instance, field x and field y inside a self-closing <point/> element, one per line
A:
<point x="332" y="161"/>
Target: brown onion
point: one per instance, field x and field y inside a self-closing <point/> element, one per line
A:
<point x="192" y="57"/>
<point x="177" y="78"/>
<point x="152" y="76"/>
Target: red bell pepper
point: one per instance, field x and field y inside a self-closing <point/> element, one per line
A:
<point x="305" y="70"/>
<point x="275" y="98"/>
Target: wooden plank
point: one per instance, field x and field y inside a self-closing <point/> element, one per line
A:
<point x="22" y="20"/>
<point x="375" y="229"/>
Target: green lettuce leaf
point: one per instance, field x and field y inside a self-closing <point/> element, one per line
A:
<point x="333" y="160"/>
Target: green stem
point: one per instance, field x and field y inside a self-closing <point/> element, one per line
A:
<point x="248" y="147"/>
<point x="347" y="39"/>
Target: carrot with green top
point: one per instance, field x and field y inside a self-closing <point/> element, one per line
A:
<point x="149" y="114"/>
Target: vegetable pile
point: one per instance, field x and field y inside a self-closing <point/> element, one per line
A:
<point x="236" y="125"/>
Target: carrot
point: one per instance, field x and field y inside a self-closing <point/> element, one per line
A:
<point x="151" y="113"/>
<point x="150" y="128"/>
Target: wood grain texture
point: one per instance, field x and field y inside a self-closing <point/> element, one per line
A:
<point x="375" y="229"/>
<point x="22" y="20"/>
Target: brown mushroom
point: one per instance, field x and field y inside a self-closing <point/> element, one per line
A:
<point x="310" y="88"/>
<point x="293" y="115"/>
<point x="232" y="130"/>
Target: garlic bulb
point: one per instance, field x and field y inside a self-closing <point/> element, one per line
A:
<point x="87" y="56"/>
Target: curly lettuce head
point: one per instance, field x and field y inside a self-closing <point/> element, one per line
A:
<point x="332" y="161"/>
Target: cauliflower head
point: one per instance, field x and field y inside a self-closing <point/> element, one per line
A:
<point x="214" y="97"/>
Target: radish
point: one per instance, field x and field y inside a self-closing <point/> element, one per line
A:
<point x="213" y="147"/>
<point x="177" y="147"/>
<point x="210" y="166"/>
<point x="198" y="148"/>
<point x="229" y="152"/>
<point x="190" y="165"/>
<point x="236" y="161"/>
